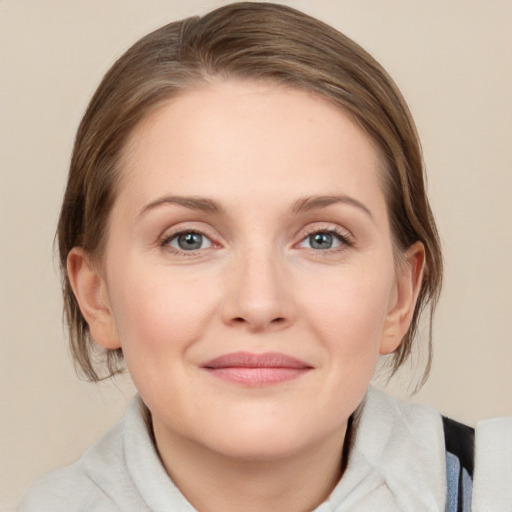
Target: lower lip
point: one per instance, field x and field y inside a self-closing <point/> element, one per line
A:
<point x="257" y="376"/>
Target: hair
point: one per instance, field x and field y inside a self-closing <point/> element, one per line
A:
<point x="254" y="41"/>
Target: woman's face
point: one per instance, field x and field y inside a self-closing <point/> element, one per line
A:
<point x="249" y="275"/>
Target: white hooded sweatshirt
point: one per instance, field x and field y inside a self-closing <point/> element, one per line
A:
<point x="397" y="463"/>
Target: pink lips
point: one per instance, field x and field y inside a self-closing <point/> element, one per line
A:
<point x="256" y="369"/>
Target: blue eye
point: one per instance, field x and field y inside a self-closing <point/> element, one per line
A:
<point x="189" y="241"/>
<point x="323" y="240"/>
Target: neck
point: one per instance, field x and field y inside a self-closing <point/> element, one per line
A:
<point x="214" y="482"/>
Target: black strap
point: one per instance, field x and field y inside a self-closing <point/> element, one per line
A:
<point x="460" y="440"/>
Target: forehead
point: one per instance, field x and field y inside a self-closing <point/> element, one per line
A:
<point x="229" y="136"/>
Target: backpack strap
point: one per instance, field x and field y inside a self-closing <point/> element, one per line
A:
<point x="459" y="439"/>
<point x="460" y="453"/>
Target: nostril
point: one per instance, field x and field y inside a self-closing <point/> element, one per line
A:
<point x="276" y="321"/>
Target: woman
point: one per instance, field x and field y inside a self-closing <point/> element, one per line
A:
<point x="246" y="227"/>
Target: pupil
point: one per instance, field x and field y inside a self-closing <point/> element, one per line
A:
<point x="321" y="241"/>
<point x="190" y="241"/>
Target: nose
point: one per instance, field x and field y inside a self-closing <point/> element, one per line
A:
<point x="258" y="294"/>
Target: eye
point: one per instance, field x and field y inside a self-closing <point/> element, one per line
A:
<point x="188" y="241"/>
<point x="324" y="240"/>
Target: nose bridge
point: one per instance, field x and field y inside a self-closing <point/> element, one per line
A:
<point x="258" y="296"/>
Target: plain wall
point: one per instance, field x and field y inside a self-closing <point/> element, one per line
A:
<point x="452" y="61"/>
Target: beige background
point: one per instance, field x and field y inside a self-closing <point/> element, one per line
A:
<point x="452" y="60"/>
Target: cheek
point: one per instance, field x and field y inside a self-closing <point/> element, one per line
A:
<point x="157" y="312"/>
<point x="349" y="310"/>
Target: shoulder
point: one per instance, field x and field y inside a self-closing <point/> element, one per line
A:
<point x="493" y="465"/>
<point x="66" y="489"/>
<point x="91" y="484"/>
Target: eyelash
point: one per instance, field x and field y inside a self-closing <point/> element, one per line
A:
<point x="346" y="241"/>
<point x="167" y="239"/>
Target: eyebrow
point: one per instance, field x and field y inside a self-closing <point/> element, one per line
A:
<point x="301" y="205"/>
<point x="194" y="203"/>
<point x="317" y="202"/>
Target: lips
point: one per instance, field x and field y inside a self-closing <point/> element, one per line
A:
<point x="256" y="369"/>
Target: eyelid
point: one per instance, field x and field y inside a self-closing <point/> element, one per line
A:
<point x="345" y="236"/>
<point x="184" y="228"/>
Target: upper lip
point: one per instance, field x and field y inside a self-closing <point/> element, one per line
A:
<point x="251" y="360"/>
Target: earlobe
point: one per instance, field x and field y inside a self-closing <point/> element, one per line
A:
<point x="408" y="286"/>
<point x="91" y="294"/>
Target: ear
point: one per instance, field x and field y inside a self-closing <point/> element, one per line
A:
<point x="90" y="291"/>
<point x="408" y="285"/>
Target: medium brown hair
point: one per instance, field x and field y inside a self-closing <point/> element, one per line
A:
<point x="247" y="40"/>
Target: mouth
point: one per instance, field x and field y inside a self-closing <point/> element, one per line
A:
<point x="256" y="369"/>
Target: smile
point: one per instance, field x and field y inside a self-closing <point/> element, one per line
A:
<point x="256" y="369"/>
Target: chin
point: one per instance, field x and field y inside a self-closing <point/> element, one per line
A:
<point x="261" y="449"/>
<point x="265" y="441"/>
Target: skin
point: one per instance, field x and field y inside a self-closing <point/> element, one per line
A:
<point x="257" y="284"/>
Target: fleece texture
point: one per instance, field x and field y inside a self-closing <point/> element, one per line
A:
<point x="397" y="463"/>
